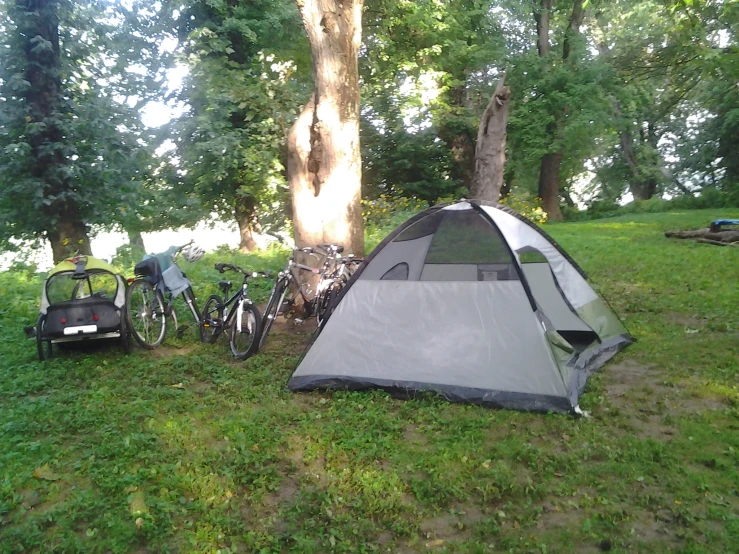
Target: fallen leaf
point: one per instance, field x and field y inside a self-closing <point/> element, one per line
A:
<point x="44" y="472"/>
<point x="137" y="503"/>
<point x="437" y="542"/>
<point x="139" y="523"/>
<point x="178" y="386"/>
<point x="255" y="448"/>
<point x="516" y="525"/>
<point x="486" y="464"/>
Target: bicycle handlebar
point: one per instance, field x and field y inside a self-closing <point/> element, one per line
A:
<point x="223" y="267"/>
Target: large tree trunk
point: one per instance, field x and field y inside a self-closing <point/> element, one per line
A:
<point x="549" y="185"/>
<point x="38" y="26"/>
<point x="67" y="238"/>
<point x="490" y="150"/>
<point x="324" y="165"/>
<point x="245" y="212"/>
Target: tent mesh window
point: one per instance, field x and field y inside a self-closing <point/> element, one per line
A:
<point x="421" y="228"/>
<point x="399" y="272"/>
<point x="466" y="247"/>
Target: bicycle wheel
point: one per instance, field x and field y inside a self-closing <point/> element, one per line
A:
<point x="245" y="331"/>
<point x="125" y="333"/>
<point x="273" y="308"/>
<point x="188" y="297"/>
<point x="212" y="319"/>
<point x="145" y="313"/>
<point x="326" y="305"/>
<point x="44" y="351"/>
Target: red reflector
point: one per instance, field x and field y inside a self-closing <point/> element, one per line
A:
<point x="130" y="280"/>
<point x="63" y="320"/>
<point x="95" y="317"/>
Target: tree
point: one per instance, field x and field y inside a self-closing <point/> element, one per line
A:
<point x="36" y="119"/>
<point x="72" y="150"/>
<point x="552" y="160"/>
<point x="490" y="147"/>
<point x="324" y="165"/>
<point x="243" y="58"/>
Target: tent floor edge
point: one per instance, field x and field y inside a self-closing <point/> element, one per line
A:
<point x="409" y="389"/>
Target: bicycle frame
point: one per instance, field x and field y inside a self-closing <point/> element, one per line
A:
<point x="241" y="294"/>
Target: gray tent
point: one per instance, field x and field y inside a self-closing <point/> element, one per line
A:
<point x="474" y="302"/>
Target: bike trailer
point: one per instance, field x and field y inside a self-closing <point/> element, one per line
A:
<point x="82" y="298"/>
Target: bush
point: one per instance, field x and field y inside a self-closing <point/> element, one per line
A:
<point x="526" y="204"/>
<point x="709" y="198"/>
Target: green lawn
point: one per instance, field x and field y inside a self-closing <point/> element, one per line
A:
<point x="185" y="450"/>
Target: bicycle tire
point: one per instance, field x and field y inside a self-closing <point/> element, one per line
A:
<point x="212" y="319"/>
<point x="327" y="302"/>
<point x="188" y="294"/>
<point x="145" y="313"/>
<point x="245" y="343"/>
<point x="273" y="307"/>
<point x="125" y="333"/>
<point x="40" y="340"/>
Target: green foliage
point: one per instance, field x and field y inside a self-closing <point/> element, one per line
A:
<point x="184" y="448"/>
<point x="526" y="204"/>
<point x="709" y="198"/>
<point x="71" y="145"/>
<point x="243" y="95"/>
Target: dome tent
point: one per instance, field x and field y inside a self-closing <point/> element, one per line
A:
<point x="471" y="301"/>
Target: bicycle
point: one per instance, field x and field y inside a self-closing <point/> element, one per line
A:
<point x="150" y="296"/>
<point x="238" y="314"/>
<point x="332" y="285"/>
<point x="288" y="279"/>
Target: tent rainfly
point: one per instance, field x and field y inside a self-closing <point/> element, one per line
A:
<point x="474" y="302"/>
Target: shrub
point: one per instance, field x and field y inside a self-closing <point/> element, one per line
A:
<point x="526" y="204"/>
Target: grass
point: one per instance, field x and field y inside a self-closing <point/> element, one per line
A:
<point x="186" y="450"/>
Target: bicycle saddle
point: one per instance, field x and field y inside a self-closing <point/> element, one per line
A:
<point x="225" y="285"/>
<point x="339" y="249"/>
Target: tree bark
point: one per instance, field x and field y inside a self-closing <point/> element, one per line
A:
<point x="67" y="238"/>
<point x="38" y="25"/>
<point x="324" y="165"/>
<point x="541" y="15"/>
<point x="245" y="212"/>
<point x="549" y="185"/>
<point x="490" y="150"/>
<point x="136" y="239"/>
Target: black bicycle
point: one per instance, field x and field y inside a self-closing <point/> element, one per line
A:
<point x="150" y="297"/>
<point x="289" y="286"/>
<point x="238" y="314"/>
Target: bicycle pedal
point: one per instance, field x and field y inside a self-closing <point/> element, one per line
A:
<point x="181" y="330"/>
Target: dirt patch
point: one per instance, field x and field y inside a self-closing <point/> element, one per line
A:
<point x="200" y="387"/>
<point x="169" y="351"/>
<point x="286" y="492"/>
<point x="686" y="320"/>
<point x="651" y="426"/>
<point x="413" y="436"/>
<point x="627" y="380"/>
<point x="647" y="401"/>
<point x="454" y="525"/>
<point x="650" y="528"/>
